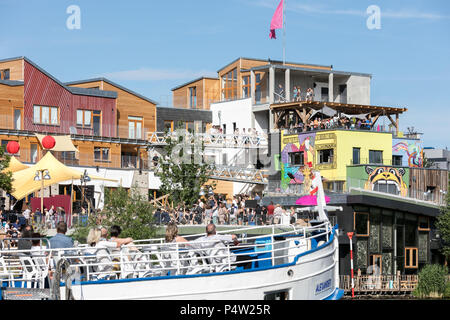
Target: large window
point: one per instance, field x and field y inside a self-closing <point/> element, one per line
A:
<point x="84" y="118"/>
<point x="4" y="74"/>
<point x="376" y="156"/>
<point x="325" y="156"/>
<point x="193" y="97"/>
<point x="135" y="125"/>
<point x="101" y="154"/>
<point x="229" y="85"/>
<point x="46" y="115"/>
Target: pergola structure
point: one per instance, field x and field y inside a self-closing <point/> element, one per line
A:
<point x="304" y="110"/>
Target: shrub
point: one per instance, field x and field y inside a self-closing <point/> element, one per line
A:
<point x="432" y="281"/>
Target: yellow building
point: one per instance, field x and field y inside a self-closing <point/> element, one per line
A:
<point x="330" y="152"/>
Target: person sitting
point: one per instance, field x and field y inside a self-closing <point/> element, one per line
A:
<point x="114" y="232"/>
<point x="214" y="244"/>
<point x="172" y="233"/>
<point x="60" y="240"/>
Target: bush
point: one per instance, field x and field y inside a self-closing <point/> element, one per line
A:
<point x="432" y="281"/>
<point x="447" y="290"/>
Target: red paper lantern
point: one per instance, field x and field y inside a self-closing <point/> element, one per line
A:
<point x="12" y="147"/>
<point x="48" y="142"/>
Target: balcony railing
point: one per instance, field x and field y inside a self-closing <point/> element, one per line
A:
<point x="27" y="126"/>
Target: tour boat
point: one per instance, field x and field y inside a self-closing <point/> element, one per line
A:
<point x="270" y="262"/>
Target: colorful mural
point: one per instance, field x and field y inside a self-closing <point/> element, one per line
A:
<point x="386" y="179"/>
<point x="296" y="143"/>
<point x="393" y="180"/>
<point x="411" y="152"/>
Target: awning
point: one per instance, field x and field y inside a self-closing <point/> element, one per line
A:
<point x="24" y="184"/>
<point x="63" y="143"/>
<point x="15" y="165"/>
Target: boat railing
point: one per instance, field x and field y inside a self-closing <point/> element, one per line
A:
<point x="147" y="259"/>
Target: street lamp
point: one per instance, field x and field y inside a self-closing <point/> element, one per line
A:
<point x="84" y="179"/>
<point x="41" y="175"/>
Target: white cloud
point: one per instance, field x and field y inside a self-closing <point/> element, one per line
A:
<point x="157" y="74"/>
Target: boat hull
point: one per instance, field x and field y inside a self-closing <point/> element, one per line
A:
<point x="312" y="275"/>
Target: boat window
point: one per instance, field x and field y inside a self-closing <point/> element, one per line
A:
<point x="277" y="295"/>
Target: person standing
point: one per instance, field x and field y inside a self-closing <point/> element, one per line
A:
<point x="60" y="240"/>
<point x="270" y="210"/>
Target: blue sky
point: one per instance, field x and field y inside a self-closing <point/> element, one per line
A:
<point x="152" y="46"/>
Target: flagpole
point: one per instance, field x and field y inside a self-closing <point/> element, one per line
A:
<point x="284" y="32"/>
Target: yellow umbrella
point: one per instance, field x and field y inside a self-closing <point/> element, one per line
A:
<point x="24" y="182"/>
<point x="15" y="165"/>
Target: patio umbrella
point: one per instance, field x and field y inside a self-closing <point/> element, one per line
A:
<point x="309" y="200"/>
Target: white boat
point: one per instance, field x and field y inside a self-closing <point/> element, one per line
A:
<point x="271" y="262"/>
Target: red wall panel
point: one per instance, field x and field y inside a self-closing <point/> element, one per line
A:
<point x="40" y="89"/>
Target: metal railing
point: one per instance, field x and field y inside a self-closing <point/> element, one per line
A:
<point x="154" y="257"/>
<point x="212" y="139"/>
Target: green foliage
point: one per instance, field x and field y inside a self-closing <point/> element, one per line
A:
<point x="432" y="280"/>
<point x="183" y="170"/>
<point x="5" y="177"/>
<point x="129" y="210"/>
<point x="443" y="224"/>
<point x="447" y="290"/>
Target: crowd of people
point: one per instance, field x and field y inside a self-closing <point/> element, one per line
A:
<point x="336" y="122"/>
<point x="216" y="210"/>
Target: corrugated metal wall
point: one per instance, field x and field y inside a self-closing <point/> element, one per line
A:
<point x="40" y="89"/>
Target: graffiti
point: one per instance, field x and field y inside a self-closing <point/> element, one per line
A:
<point x="386" y="179"/>
<point x="413" y="152"/>
<point x="293" y="174"/>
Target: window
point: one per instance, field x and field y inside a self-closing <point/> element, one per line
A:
<point x="246" y="87"/>
<point x="229" y="85"/>
<point x="45" y="115"/>
<point x="135" y="127"/>
<point x="361" y="223"/>
<point x="375" y="260"/>
<point x="84" y="118"/>
<point x="411" y="258"/>
<point x="4" y="74"/>
<point x="193" y="97"/>
<point x="325" y="156"/>
<point x="375" y="156"/>
<point x="277" y="295"/>
<point x="297" y="158"/>
<point x="17" y="119"/>
<point x="258" y="88"/>
<point x="168" y="126"/>
<point x="397" y="160"/>
<point x="424" y="224"/>
<point x="101" y="154"/>
<point x="33" y="152"/>
<point x="356" y="155"/>
<point x="324" y="94"/>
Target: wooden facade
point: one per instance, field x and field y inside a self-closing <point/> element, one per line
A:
<point x="196" y="94"/>
<point x="128" y="105"/>
<point x="431" y="181"/>
<point x="15" y="67"/>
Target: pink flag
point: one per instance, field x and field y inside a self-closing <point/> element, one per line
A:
<point x="277" y="20"/>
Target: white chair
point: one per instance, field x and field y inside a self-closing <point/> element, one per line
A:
<point x="30" y="273"/>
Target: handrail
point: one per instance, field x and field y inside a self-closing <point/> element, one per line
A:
<point x="166" y="259"/>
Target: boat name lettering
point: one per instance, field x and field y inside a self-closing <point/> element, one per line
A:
<point x="323" y="286"/>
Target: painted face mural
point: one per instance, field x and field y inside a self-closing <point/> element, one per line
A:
<point x="386" y="179"/>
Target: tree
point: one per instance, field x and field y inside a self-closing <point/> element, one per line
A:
<point x="5" y="177"/>
<point x="127" y="209"/>
<point x="443" y="224"/>
<point x="183" y="169"/>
